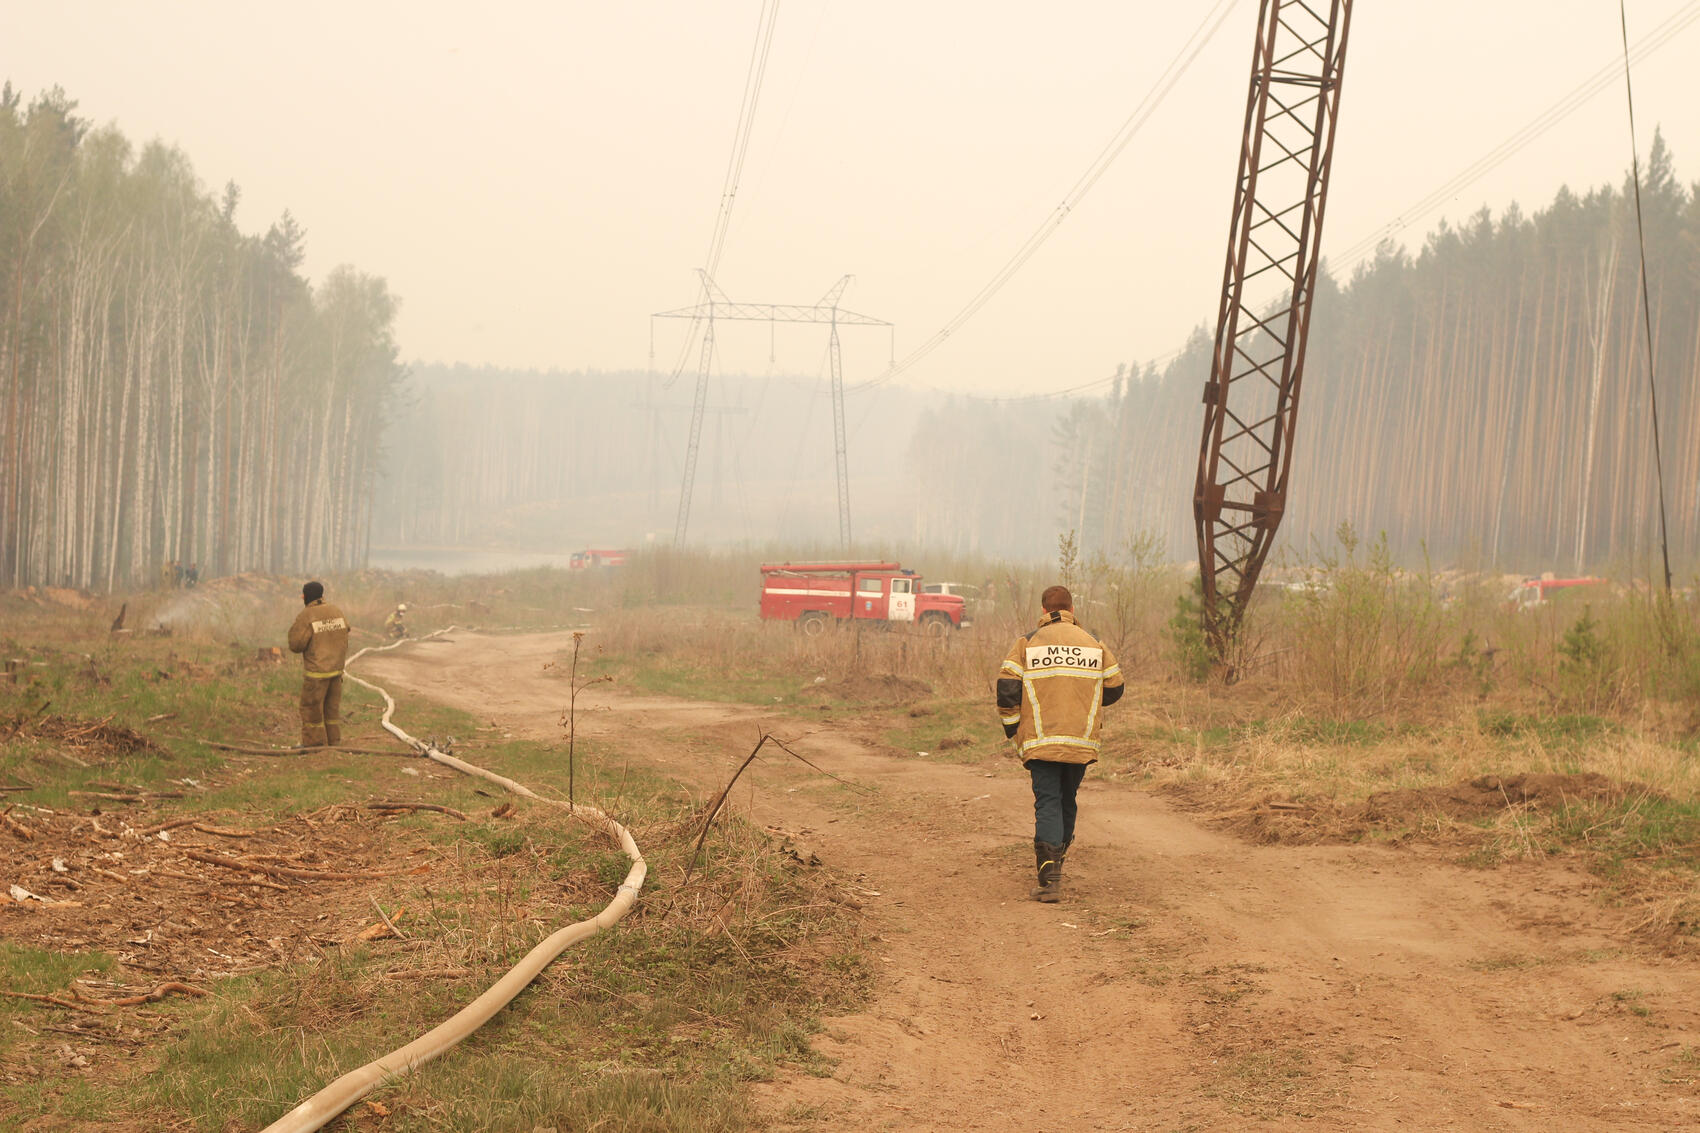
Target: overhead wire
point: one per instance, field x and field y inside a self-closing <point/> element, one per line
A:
<point x="753" y="81"/>
<point x="1130" y="128"/>
<point x="1583" y="92"/>
<point x="1357" y="252"/>
<point x="755" y="75"/>
<point x="1654" y="40"/>
<point x="1646" y="296"/>
<point x="803" y="73"/>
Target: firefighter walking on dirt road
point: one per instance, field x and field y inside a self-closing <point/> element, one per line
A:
<point x="1051" y="691"/>
<point x="320" y="635"/>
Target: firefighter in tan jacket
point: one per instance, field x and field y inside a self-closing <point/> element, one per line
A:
<point x="320" y="635"/>
<point x="1051" y="691"/>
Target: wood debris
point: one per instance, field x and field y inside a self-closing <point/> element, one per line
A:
<point x="15" y="826"/>
<point x="448" y="810"/>
<point x="287" y="871"/>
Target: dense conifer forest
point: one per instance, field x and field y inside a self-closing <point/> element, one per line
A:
<point x="171" y="388"/>
<point x="174" y="390"/>
<point x="1485" y="397"/>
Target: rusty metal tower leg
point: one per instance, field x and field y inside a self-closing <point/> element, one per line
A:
<point x="1251" y="401"/>
<point x="840" y="448"/>
<point x="683" y="521"/>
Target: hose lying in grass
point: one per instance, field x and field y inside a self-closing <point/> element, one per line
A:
<point x="319" y="1109"/>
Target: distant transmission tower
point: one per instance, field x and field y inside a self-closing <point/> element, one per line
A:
<point x="716" y="305"/>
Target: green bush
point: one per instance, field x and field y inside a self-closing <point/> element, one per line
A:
<point x="1185" y="632"/>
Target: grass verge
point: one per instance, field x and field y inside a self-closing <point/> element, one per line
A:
<point x="656" y="1025"/>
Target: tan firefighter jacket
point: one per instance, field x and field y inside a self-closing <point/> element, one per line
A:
<point x="1052" y="689"/>
<point x="320" y="635"/>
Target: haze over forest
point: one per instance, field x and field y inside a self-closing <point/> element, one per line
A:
<point x="175" y="387"/>
<point x="1485" y="397"/>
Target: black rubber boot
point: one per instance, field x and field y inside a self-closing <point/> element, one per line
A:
<point x="1049" y="859"/>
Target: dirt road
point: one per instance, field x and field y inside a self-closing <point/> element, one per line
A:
<point x="1189" y="981"/>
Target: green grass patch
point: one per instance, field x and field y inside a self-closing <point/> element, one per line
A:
<point x="670" y="677"/>
<point x="1645" y="828"/>
<point x="956" y="730"/>
<point x="1552" y="730"/>
<point x="36" y="972"/>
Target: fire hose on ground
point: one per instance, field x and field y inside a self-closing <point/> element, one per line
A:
<point x="319" y="1109"/>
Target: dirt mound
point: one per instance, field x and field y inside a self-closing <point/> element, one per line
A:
<point x="248" y="582"/>
<point x="60" y="596"/>
<point x="1403" y="812"/>
<point x="1488" y="795"/>
<point x="886" y="688"/>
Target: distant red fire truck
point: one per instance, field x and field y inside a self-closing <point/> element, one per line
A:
<point x="585" y="560"/>
<point x="1532" y="592"/>
<point x="819" y="595"/>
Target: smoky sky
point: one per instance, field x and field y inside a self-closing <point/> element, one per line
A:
<point x="535" y="179"/>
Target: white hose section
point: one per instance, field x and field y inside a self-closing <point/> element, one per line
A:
<point x="319" y="1109"/>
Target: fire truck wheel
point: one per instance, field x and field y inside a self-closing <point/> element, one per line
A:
<point x="935" y="625"/>
<point x="813" y="624"/>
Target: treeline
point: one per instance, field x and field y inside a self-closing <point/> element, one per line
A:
<point x="1486" y="398"/>
<point x="171" y="389"/>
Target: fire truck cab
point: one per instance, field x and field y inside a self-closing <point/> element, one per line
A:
<point x="818" y="596"/>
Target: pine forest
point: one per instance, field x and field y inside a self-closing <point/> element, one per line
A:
<point x="1485" y="399"/>
<point x="172" y="390"/>
<point x="175" y="391"/>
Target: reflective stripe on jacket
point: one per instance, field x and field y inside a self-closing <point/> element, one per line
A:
<point x="320" y="635"/>
<point x="1051" y="688"/>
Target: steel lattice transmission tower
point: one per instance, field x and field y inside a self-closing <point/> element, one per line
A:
<point x="717" y="306"/>
<point x="1251" y="401"/>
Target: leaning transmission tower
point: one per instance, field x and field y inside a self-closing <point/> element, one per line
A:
<point x="1251" y="402"/>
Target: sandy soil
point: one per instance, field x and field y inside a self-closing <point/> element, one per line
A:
<point x="1189" y="980"/>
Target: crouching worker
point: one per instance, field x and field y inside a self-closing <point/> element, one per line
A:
<point x="320" y="635"/>
<point x="1051" y="690"/>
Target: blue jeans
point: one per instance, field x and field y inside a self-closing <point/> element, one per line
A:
<point x="1054" y="786"/>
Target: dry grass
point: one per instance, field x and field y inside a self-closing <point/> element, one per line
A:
<point x="715" y="655"/>
<point x="1374" y="696"/>
<point x="655" y="1026"/>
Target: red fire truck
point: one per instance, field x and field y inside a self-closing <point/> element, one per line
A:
<point x="819" y="595"/>
<point x="1532" y="592"/>
<point x="585" y="560"/>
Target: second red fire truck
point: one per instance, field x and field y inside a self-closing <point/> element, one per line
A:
<point x="818" y="596"/>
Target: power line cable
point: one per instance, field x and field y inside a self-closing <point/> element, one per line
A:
<point x="1599" y="81"/>
<point x="803" y="74"/>
<point x="1646" y="298"/>
<point x="1154" y="98"/>
<point x="754" y="77"/>
<point x="753" y="81"/>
